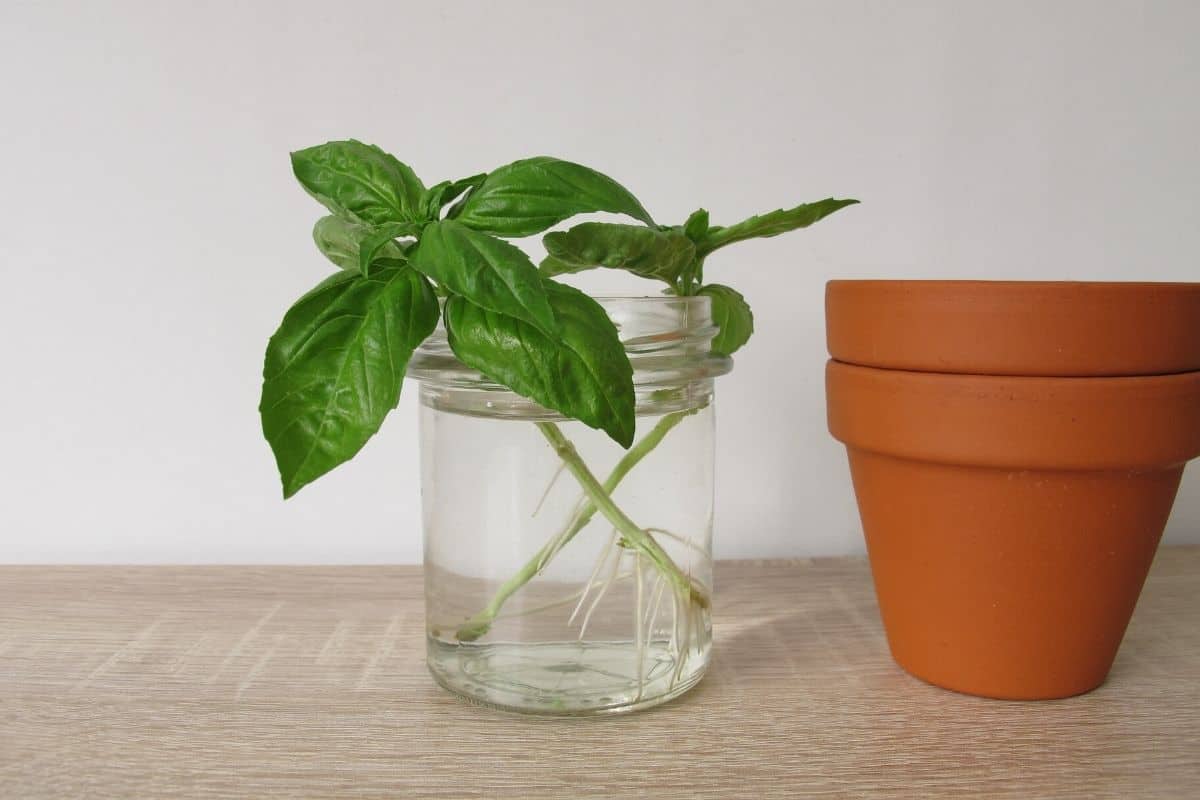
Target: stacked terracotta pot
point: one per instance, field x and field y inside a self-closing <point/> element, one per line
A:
<point x="1015" y="449"/>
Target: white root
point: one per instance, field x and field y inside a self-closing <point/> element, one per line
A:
<point x="562" y="465"/>
<point x="571" y="598"/>
<point x="655" y="600"/>
<point x="673" y="644"/>
<point x="559" y="541"/>
<point x="686" y="542"/>
<point x="639" y="640"/>
<point x="616" y="565"/>
<point x="601" y="560"/>
<point x="685" y="643"/>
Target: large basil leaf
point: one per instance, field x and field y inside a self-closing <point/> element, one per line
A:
<point x="732" y="314"/>
<point x="489" y="272"/>
<point x="582" y="373"/>
<point x="772" y="224"/>
<point x="333" y="369"/>
<point x="647" y="252"/>
<point x="360" y="181"/>
<point x="341" y="242"/>
<point x="529" y="196"/>
<point x="437" y="196"/>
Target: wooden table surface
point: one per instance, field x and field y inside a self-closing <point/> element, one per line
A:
<point x="164" y="682"/>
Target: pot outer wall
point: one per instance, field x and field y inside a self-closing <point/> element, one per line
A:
<point x="1011" y="521"/>
<point x="1006" y="583"/>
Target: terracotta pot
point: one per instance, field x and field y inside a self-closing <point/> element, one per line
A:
<point x="1016" y="327"/>
<point x="1010" y="520"/>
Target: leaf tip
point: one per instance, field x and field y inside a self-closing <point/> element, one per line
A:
<point x="623" y="427"/>
<point x="289" y="487"/>
<point x="839" y="203"/>
<point x="622" y="435"/>
<point x="296" y="156"/>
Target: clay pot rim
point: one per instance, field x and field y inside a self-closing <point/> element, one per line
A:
<point x="1105" y="423"/>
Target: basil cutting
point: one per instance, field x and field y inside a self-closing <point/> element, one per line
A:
<point x="335" y="365"/>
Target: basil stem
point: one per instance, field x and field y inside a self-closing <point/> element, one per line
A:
<point x="481" y="623"/>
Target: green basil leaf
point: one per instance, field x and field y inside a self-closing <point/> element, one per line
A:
<point x="436" y="197"/>
<point x="732" y="314"/>
<point x="333" y="369"/>
<point x="772" y="224"/>
<point x="582" y="373"/>
<point x="381" y="237"/>
<point x="551" y="266"/>
<point x="529" y="196"/>
<point x="696" y="225"/>
<point x="340" y="240"/>
<point x="382" y="262"/>
<point x="646" y="252"/>
<point x="489" y="272"/>
<point x="360" y="182"/>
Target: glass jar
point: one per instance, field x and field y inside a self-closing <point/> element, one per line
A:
<point x="564" y="575"/>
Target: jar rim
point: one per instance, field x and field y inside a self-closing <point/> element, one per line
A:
<point x="603" y="297"/>
<point x="692" y="303"/>
<point x="668" y="339"/>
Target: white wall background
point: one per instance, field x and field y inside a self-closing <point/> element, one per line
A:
<point x="153" y="234"/>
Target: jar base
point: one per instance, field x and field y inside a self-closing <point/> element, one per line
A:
<point x="564" y="678"/>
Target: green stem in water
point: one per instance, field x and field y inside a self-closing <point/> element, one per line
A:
<point x="632" y="535"/>
<point x="479" y="624"/>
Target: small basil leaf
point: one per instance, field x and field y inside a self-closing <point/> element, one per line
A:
<point x="646" y="252"/>
<point x="360" y="182"/>
<point x="333" y="369"/>
<point x="436" y="197"/>
<point x="380" y="238"/>
<point x="489" y="272"/>
<point x="431" y="200"/>
<point x="696" y="225"/>
<point x="772" y="224"/>
<point x="529" y="196"/>
<point x="340" y="240"/>
<point x="551" y="266"/>
<point x="582" y="373"/>
<point x="732" y="314"/>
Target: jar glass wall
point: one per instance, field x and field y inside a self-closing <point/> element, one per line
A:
<point x="563" y="574"/>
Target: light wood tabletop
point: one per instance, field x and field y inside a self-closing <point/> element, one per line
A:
<point x="157" y="682"/>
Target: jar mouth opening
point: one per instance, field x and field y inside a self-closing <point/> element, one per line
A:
<point x="665" y="320"/>
<point x="689" y="311"/>
<point x="649" y="298"/>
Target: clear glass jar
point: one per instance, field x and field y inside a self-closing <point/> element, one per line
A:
<point x="564" y="575"/>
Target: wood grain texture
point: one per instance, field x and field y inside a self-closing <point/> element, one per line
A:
<point x="229" y="682"/>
